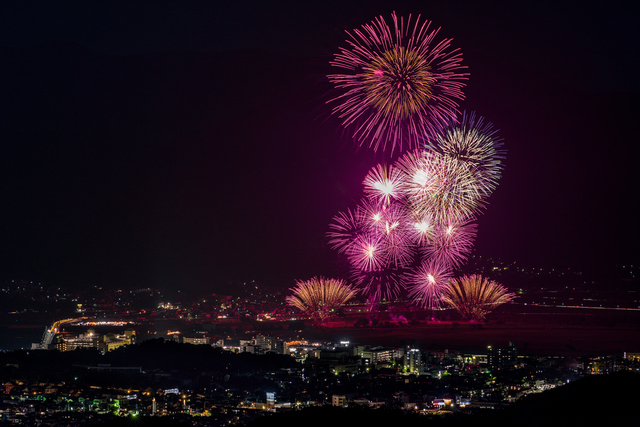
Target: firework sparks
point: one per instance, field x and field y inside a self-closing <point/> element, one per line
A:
<point x="388" y="225"/>
<point x="367" y="253"/>
<point x="419" y="172"/>
<point x="385" y="283"/>
<point x="421" y="230"/>
<point x="320" y="297"/>
<point x="383" y="184"/>
<point x="452" y="243"/>
<point x="345" y="228"/>
<point x="438" y="186"/>
<point x="474" y="296"/>
<point x="396" y="82"/>
<point x="475" y="145"/>
<point x="428" y="283"/>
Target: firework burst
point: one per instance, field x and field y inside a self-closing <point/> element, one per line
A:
<point x="398" y="88"/>
<point x="438" y="186"/>
<point x="452" y="243"/>
<point x="421" y="230"/>
<point x="383" y="184"/>
<point x="396" y="82"/>
<point x="381" y="284"/>
<point x="428" y="283"/>
<point x="345" y="228"/>
<point x="471" y="145"/>
<point x="422" y="180"/>
<point x="368" y="253"/>
<point x="320" y="297"/>
<point x="474" y="296"/>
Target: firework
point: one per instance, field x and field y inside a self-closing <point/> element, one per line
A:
<point x="420" y="175"/>
<point x="391" y="224"/>
<point x="345" y="228"/>
<point x="383" y="184"/>
<point x="474" y="296"/>
<point x="428" y="283"/>
<point x="396" y="82"/>
<point x="438" y="186"/>
<point x="320" y="297"/>
<point x="381" y="284"/>
<point x="373" y="216"/>
<point x="367" y="253"/>
<point x="475" y="145"/>
<point x="375" y="242"/>
<point x="421" y="230"/>
<point x="420" y="209"/>
<point x="452" y="243"/>
<point x="457" y="197"/>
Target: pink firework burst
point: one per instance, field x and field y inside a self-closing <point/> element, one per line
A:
<point x="374" y="238"/>
<point x="421" y="229"/>
<point x="396" y="82"/>
<point x="428" y="283"/>
<point x="452" y="243"/>
<point x="383" y="184"/>
<point x="390" y="224"/>
<point x="400" y="251"/>
<point x="371" y="215"/>
<point x="345" y="228"/>
<point x="380" y="284"/>
<point x="367" y="252"/>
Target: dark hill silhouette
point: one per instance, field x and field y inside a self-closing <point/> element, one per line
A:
<point x="601" y="400"/>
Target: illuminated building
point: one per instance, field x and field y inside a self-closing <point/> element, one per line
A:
<point x="267" y="344"/>
<point x="373" y="355"/>
<point x="498" y="358"/>
<point x="104" y="343"/>
<point x="196" y="340"/>
<point x="110" y="342"/>
<point x="338" y="400"/>
<point x="412" y="360"/>
<point x="337" y="360"/>
<point x="271" y="402"/>
<point x="632" y="356"/>
<point x="88" y="340"/>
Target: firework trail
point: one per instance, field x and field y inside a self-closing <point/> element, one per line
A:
<point x="474" y="296"/>
<point x="320" y="297"/>
<point x="396" y="82"/>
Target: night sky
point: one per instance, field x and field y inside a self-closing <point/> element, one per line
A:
<point x="187" y="144"/>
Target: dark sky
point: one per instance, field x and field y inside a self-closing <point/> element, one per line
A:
<point x="185" y="144"/>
